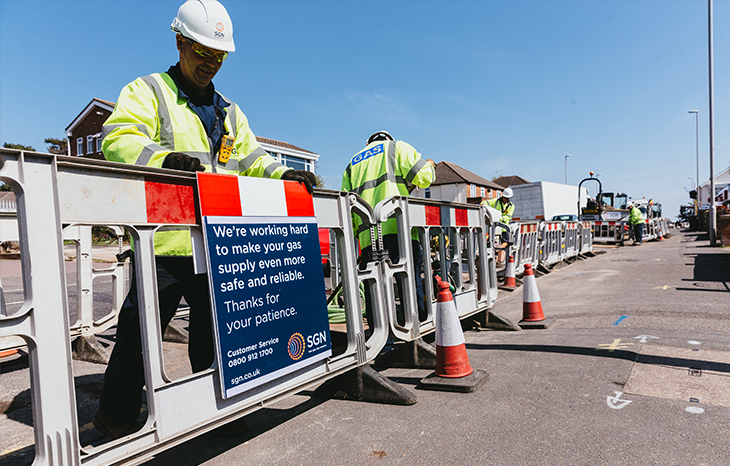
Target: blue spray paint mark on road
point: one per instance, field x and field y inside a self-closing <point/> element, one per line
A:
<point x="619" y="320"/>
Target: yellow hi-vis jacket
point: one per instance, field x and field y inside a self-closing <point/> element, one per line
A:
<point x="149" y="121"/>
<point x="507" y="210"/>
<point x="636" y="216"/>
<point x="380" y="171"/>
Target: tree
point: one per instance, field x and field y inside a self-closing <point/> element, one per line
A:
<point x="57" y="146"/>
<point x="10" y="145"/>
<point x="319" y="179"/>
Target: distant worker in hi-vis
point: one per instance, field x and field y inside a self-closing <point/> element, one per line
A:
<point x="178" y="120"/>
<point x="386" y="168"/>
<point x="636" y="220"/>
<point x="507" y="207"/>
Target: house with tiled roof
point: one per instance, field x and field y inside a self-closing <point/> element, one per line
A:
<point x="84" y="132"/>
<point x="84" y="138"/>
<point x="456" y="184"/>
<point x="507" y="181"/>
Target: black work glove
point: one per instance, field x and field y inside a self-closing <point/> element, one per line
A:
<point x="304" y="177"/>
<point x="180" y="161"/>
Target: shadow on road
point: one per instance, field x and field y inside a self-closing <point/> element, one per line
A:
<point x="616" y="354"/>
<point x="711" y="273"/>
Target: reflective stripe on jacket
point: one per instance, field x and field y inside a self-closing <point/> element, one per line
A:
<point x="380" y="171"/>
<point x="149" y="121"/>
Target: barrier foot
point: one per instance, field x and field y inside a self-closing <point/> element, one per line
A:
<point x="540" y="324"/>
<point x="175" y="333"/>
<point x="466" y="384"/>
<point x="542" y="269"/>
<point x="489" y="319"/>
<point x="416" y="354"/>
<point x="88" y="348"/>
<point x="366" y="384"/>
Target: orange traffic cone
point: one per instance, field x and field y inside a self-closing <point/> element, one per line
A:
<point x="509" y="275"/>
<point x="532" y="315"/>
<point x="453" y="371"/>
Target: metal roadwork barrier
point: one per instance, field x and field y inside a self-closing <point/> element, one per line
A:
<point x="571" y="235"/>
<point x="454" y="243"/>
<point x="85" y="324"/>
<point x="55" y="191"/>
<point x="552" y="243"/>
<point x="527" y="241"/>
<point x="649" y="230"/>
<point x="586" y="237"/>
<point x="610" y="232"/>
<point x="85" y="327"/>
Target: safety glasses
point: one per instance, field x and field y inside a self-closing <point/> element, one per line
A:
<point x="206" y="52"/>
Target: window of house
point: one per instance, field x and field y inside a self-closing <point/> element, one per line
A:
<point x="98" y="142"/>
<point x="489" y="193"/>
<point x="428" y="193"/>
<point x="482" y="192"/>
<point x="89" y="144"/>
<point x="473" y="190"/>
<point x="499" y="193"/>
<point x="79" y="146"/>
<point x="297" y="163"/>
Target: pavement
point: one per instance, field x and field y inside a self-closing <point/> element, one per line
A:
<point x="635" y="370"/>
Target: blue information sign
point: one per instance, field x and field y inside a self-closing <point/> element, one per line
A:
<point x="269" y="304"/>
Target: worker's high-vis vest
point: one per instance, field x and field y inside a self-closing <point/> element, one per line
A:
<point x="149" y="121"/>
<point x="507" y="210"/>
<point x="635" y="216"/>
<point x="380" y="171"/>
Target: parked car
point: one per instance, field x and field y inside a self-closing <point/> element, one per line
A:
<point x="564" y="218"/>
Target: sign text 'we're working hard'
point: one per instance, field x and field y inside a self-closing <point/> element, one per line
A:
<point x="270" y="306"/>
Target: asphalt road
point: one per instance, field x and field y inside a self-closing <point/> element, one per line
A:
<point x="636" y="370"/>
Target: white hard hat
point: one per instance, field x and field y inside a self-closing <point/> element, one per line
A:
<point x="380" y="135"/>
<point x="507" y="193"/>
<point x="207" y="23"/>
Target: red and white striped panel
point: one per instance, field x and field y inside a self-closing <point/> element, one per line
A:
<point x="528" y="228"/>
<point x="586" y="224"/>
<point x="571" y="226"/>
<point x="148" y="200"/>
<point x="234" y="196"/>
<point x="434" y="215"/>
<point x="87" y="197"/>
<point x="553" y="226"/>
<point x="606" y="223"/>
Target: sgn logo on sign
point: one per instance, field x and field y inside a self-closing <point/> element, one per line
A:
<point x="366" y="154"/>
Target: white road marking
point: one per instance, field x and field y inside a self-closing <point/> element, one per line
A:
<point x="614" y="402"/>
<point x="644" y="337"/>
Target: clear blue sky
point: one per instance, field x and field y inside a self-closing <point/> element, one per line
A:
<point x="497" y="87"/>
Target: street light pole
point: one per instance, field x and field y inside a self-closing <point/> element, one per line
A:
<point x="566" y="168"/>
<point x="697" y="138"/>
<point x="713" y="205"/>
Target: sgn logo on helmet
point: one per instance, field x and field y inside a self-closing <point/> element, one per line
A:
<point x="219" y="30"/>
